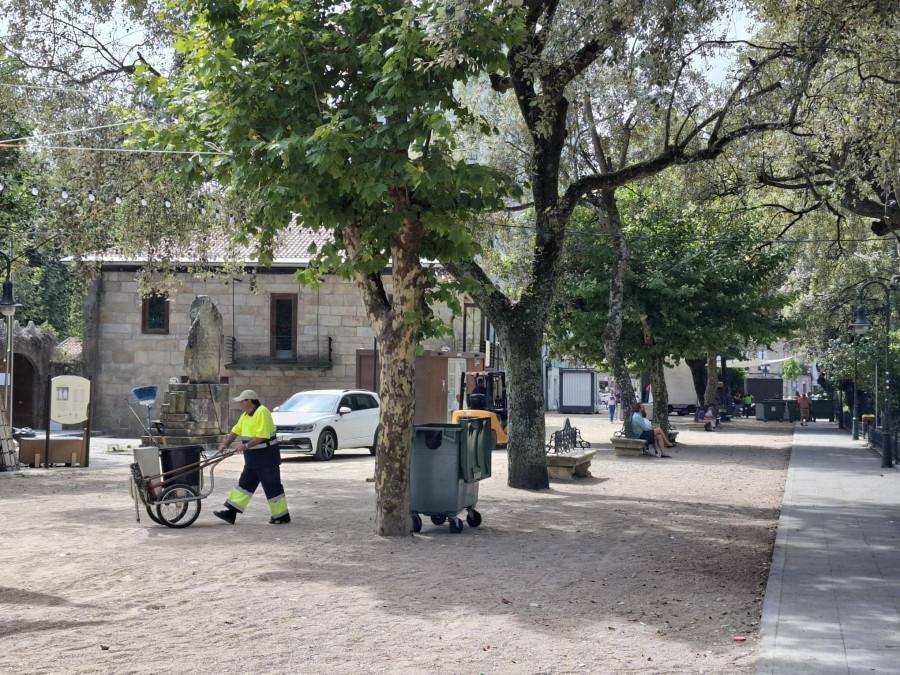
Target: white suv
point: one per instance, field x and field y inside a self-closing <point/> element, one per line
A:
<point x="321" y="421"/>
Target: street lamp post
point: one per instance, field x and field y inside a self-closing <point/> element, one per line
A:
<point x="8" y="307"/>
<point x="855" y="423"/>
<point x="860" y="326"/>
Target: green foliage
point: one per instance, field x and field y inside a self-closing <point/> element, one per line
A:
<point x="693" y="285"/>
<point x="342" y="114"/>
<point x="791" y="370"/>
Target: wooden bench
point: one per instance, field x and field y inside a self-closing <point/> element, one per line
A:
<point x="570" y="464"/>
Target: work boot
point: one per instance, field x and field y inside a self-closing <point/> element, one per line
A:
<point x="228" y="515"/>
<point x="281" y="520"/>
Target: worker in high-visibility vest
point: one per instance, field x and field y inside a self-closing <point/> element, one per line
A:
<point x="262" y="461"/>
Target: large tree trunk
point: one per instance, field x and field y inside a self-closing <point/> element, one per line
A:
<point x="657" y="379"/>
<point x="698" y="375"/>
<point x="712" y="379"/>
<point x="521" y="341"/>
<point x="605" y="206"/>
<point x="660" y="392"/>
<point x="397" y="340"/>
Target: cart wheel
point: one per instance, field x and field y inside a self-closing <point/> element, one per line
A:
<point x="438" y="520"/>
<point x="455" y="525"/>
<point x="417" y="522"/>
<point x="182" y="509"/>
<point x="152" y="515"/>
<point x="473" y="518"/>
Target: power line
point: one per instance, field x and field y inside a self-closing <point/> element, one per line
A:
<point x="70" y="131"/>
<point x="123" y="150"/>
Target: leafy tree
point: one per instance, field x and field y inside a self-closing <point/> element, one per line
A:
<point x="342" y="114"/>
<point x="790" y="369"/>
<point x="611" y="97"/>
<point x="686" y="293"/>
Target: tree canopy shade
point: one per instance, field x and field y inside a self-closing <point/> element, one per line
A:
<point x="342" y="115"/>
<point x="694" y="286"/>
<point x="612" y="94"/>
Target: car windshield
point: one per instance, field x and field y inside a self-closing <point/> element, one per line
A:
<point x="309" y="402"/>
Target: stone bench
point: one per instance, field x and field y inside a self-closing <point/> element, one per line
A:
<point x="629" y="447"/>
<point x="570" y="464"/>
<point x="635" y="447"/>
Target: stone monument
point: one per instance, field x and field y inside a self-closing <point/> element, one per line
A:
<point x="195" y="412"/>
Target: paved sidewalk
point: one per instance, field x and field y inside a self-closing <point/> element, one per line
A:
<point x="832" y="602"/>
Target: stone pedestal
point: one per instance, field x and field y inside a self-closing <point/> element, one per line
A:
<point x="194" y="414"/>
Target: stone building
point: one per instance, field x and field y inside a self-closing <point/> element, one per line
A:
<point x="280" y="337"/>
<point x="33" y="363"/>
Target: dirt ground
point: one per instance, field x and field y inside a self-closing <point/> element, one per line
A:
<point x="651" y="566"/>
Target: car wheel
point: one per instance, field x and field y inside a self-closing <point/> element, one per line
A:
<point x="327" y="445"/>
<point x="374" y="447"/>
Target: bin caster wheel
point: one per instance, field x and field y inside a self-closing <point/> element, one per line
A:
<point x="455" y="525"/>
<point x="438" y="520"/>
<point x="473" y="518"/>
<point x="417" y="523"/>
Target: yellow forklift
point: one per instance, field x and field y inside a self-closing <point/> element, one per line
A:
<point x="484" y="393"/>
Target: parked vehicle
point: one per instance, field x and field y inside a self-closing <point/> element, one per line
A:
<point x="680" y="390"/>
<point x="321" y="421"/>
<point x="485" y="395"/>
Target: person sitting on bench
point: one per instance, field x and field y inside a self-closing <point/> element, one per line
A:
<point x="710" y="421"/>
<point x="641" y="428"/>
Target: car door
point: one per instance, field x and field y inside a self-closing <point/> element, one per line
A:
<point x="347" y="424"/>
<point x="369" y="415"/>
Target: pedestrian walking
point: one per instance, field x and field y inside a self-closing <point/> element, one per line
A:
<point x="262" y="462"/>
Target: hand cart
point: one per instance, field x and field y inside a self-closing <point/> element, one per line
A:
<point x="172" y="495"/>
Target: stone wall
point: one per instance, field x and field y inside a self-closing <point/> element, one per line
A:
<point x="119" y="357"/>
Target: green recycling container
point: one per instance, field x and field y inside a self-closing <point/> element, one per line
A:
<point x="793" y="410"/>
<point x="447" y="462"/>
<point x="823" y="409"/>
<point x="773" y="409"/>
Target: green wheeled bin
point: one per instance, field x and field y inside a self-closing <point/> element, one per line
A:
<point x="823" y="409"/>
<point x="773" y="410"/>
<point x="792" y="412"/>
<point x="448" y="461"/>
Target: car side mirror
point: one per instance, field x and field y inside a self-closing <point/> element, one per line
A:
<point x="343" y="410"/>
<point x="276" y="408"/>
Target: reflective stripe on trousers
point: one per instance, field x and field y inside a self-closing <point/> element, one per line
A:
<point x="239" y="499"/>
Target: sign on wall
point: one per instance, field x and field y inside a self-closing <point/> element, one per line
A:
<point x="70" y="397"/>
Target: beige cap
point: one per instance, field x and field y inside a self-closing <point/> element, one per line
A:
<point x="247" y="395"/>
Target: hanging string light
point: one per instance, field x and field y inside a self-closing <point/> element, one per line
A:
<point x="93" y="196"/>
